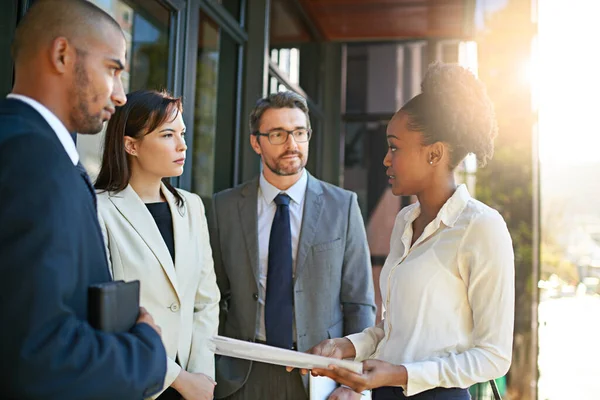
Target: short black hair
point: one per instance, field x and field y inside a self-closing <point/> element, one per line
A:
<point x="454" y="108"/>
<point x="48" y="19"/>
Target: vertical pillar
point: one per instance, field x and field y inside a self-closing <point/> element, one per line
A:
<point x="256" y="73"/>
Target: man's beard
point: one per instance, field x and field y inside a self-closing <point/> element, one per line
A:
<point x="83" y="121"/>
<point x="278" y="170"/>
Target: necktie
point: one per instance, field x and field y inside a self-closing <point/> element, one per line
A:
<point x="88" y="182"/>
<point x="279" y="302"/>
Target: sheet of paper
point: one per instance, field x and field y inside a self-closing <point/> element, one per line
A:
<point x="320" y="387"/>
<point x="273" y="355"/>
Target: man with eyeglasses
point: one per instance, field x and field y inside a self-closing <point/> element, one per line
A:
<point x="291" y="257"/>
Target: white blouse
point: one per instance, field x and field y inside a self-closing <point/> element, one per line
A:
<point x="448" y="299"/>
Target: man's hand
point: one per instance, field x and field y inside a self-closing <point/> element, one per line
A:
<point x="145" y="318"/>
<point x="375" y="374"/>
<point x="194" y="386"/>
<point x="344" y="393"/>
<point x="333" y="348"/>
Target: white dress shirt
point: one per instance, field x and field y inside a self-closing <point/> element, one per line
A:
<point x="59" y="128"/>
<point x="449" y="298"/>
<point x="265" y="213"/>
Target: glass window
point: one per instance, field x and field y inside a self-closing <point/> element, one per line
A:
<point x="233" y="7"/>
<point x="288" y="62"/>
<point x="205" y="117"/>
<point x="146" y="26"/>
<point x="214" y="127"/>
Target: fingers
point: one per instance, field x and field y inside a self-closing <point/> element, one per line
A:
<point x="144" y="317"/>
<point x="343" y="376"/>
<point x="368" y="365"/>
<point x="317" y="350"/>
<point x="345" y="373"/>
<point x="142" y="314"/>
<point x="344" y="393"/>
<point x="325" y="348"/>
<point x="211" y="380"/>
<point x="303" y="371"/>
<point x="319" y="371"/>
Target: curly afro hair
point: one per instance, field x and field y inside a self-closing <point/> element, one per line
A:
<point x="454" y="108"/>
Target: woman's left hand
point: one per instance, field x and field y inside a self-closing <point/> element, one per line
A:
<point x="375" y="374"/>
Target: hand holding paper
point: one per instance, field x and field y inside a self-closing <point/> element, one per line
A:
<point x="274" y="355"/>
<point x="340" y="348"/>
<point x="376" y="374"/>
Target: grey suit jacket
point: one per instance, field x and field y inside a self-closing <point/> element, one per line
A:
<point x="333" y="285"/>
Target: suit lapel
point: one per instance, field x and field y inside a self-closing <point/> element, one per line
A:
<point x="181" y="231"/>
<point x="313" y="205"/>
<point x="247" y="206"/>
<point x="88" y="183"/>
<point x="135" y="212"/>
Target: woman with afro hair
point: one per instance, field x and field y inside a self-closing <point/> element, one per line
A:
<point x="448" y="282"/>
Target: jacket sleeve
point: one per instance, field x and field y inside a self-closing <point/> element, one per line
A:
<point x="357" y="292"/>
<point x="46" y="350"/>
<point x="221" y="275"/>
<point x="206" y="307"/>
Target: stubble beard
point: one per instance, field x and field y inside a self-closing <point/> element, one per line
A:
<point x="280" y="170"/>
<point x="82" y="120"/>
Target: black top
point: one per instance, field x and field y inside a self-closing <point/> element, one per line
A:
<point x="162" y="215"/>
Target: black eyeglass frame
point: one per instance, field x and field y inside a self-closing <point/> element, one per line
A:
<point x="268" y="135"/>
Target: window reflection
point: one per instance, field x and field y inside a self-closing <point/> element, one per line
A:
<point x="205" y="116"/>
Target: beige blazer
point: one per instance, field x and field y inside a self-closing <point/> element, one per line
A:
<point x="183" y="298"/>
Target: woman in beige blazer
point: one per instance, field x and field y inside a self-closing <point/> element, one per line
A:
<point x="158" y="235"/>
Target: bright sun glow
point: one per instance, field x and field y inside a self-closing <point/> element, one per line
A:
<point x="565" y="78"/>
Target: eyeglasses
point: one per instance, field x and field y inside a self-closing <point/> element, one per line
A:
<point x="280" y="136"/>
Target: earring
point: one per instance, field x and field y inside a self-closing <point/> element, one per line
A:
<point x="431" y="162"/>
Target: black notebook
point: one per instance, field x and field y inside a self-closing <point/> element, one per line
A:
<point x="114" y="306"/>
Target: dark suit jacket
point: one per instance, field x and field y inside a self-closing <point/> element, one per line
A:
<point x="333" y="284"/>
<point x="51" y="250"/>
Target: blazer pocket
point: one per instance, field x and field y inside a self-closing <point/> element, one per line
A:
<point x="332" y="244"/>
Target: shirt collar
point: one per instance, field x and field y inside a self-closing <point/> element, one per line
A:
<point x="57" y="126"/>
<point x="449" y="212"/>
<point x="296" y="192"/>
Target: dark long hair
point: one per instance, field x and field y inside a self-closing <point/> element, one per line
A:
<point x="144" y="111"/>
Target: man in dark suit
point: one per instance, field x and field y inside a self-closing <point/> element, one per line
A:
<point x="68" y="58"/>
<point x="291" y="257"/>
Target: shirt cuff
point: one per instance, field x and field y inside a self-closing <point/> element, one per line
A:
<point x="365" y="343"/>
<point x="421" y="376"/>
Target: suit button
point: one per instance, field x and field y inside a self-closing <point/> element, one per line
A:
<point x="255" y="296"/>
<point x="174" y="307"/>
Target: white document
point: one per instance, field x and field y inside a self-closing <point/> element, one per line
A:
<point x="321" y="387"/>
<point x="273" y="355"/>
